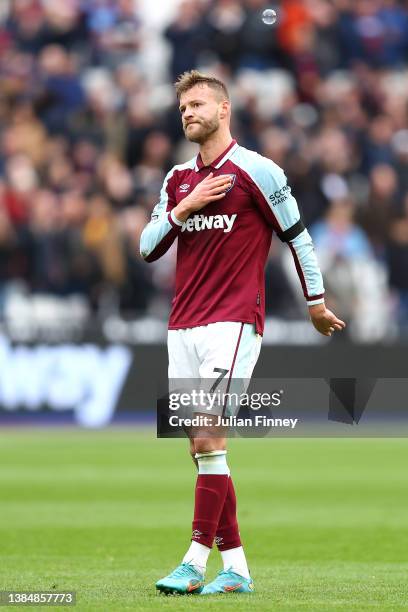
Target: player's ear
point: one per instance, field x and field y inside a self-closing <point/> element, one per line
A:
<point x="224" y="109"/>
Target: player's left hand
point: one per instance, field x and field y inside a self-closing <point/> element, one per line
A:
<point x="324" y="320"/>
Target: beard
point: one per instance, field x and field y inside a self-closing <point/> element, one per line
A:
<point x="202" y="130"/>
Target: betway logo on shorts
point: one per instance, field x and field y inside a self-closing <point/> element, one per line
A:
<point x="197" y="223"/>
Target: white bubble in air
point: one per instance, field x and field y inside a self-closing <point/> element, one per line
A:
<point x="269" y="16"/>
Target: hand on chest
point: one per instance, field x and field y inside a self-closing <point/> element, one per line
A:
<point x="220" y="216"/>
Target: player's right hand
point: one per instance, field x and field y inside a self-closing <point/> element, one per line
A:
<point x="210" y="189"/>
<point x="324" y="320"/>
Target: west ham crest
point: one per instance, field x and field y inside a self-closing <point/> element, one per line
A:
<point x="233" y="176"/>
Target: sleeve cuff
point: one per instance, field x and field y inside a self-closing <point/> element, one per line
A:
<point x="173" y="220"/>
<point x="314" y="300"/>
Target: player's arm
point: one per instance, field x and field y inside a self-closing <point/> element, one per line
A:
<point x="311" y="279"/>
<point x="283" y="213"/>
<point x="160" y="233"/>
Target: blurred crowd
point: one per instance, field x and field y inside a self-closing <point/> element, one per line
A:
<point x="89" y="126"/>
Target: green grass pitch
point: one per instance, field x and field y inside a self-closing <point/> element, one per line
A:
<point x="324" y="522"/>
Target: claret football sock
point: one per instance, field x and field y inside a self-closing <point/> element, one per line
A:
<point x="227" y="536"/>
<point x="210" y="493"/>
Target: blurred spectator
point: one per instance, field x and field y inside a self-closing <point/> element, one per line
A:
<point x="398" y="264"/>
<point x="13" y="255"/>
<point x="62" y="93"/>
<point x="225" y="21"/>
<point x="137" y="288"/>
<point x="354" y="279"/>
<point x="115" y="27"/>
<point x="187" y="36"/>
<point x="374" y="31"/>
<point x="382" y="205"/>
<point x="338" y="237"/>
<point x="258" y="45"/>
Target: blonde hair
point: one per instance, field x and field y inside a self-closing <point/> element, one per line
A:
<point x="187" y="80"/>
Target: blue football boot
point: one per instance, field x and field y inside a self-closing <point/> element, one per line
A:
<point x="228" y="581"/>
<point x="185" y="579"/>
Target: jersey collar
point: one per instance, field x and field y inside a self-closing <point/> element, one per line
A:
<point x="217" y="163"/>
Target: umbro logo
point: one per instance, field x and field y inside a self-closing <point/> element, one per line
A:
<point x="196" y="534"/>
<point x="184" y="187"/>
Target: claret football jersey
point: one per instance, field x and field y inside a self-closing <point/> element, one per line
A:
<point x="222" y="248"/>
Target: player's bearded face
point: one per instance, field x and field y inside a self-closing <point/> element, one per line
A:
<point x="202" y="113"/>
<point x="200" y="129"/>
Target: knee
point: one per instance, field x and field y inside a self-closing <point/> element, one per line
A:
<point x="207" y="445"/>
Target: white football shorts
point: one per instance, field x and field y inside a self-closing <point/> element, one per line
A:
<point x="220" y="357"/>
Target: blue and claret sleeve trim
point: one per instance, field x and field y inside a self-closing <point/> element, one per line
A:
<point x="307" y="268"/>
